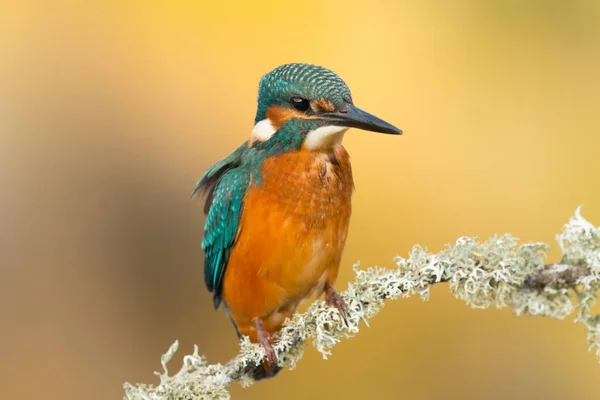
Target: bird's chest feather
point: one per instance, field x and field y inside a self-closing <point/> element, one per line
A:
<point x="295" y="220"/>
<point x="313" y="189"/>
<point x="291" y="234"/>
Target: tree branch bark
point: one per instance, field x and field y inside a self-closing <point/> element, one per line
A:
<point x="495" y="272"/>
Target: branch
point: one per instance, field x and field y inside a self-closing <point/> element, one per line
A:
<point x="496" y="272"/>
<point x="556" y="274"/>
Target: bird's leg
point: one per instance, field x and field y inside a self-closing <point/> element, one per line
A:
<point x="264" y="338"/>
<point x="333" y="298"/>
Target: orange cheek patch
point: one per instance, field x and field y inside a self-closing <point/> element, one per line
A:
<point x="325" y="105"/>
<point x="280" y="115"/>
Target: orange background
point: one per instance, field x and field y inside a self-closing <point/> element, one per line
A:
<point x="110" y="111"/>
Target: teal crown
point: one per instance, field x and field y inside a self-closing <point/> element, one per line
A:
<point x="307" y="81"/>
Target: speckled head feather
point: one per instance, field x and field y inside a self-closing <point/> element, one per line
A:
<point x="308" y="81"/>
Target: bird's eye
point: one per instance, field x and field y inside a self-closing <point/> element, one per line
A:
<point x="300" y="104"/>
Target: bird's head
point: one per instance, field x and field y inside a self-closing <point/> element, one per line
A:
<point x="304" y="105"/>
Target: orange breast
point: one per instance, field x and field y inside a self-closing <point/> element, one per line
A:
<point x="292" y="233"/>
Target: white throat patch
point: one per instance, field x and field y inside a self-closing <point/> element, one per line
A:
<point x="263" y="130"/>
<point x="324" y="136"/>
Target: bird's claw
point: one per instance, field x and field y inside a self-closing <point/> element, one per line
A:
<point x="270" y="352"/>
<point x="333" y="298"/>
<point x="264" y="338"/>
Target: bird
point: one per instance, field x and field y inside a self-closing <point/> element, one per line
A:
<point x="278" y="206"/>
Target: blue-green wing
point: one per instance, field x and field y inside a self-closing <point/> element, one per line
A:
<point x="208" y="181"/>
<point x="221" y="227"/>
<point x="225" y="184"/>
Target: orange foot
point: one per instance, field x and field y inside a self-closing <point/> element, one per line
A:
<point x="333" y="298"/>
<point x="265" y="341"/>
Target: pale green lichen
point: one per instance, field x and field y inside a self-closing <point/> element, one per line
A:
<point x="496" y="272"/>
<point x="580" y="245"/>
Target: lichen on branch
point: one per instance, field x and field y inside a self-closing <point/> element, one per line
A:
<point x="497" y="272"/>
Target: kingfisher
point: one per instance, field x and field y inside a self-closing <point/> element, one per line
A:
<point x="278" y="207"/>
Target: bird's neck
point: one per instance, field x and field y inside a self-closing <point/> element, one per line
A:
<point x="296" y="134"/>
<point x="324" y="138"/>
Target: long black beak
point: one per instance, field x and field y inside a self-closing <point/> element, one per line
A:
<point x="354" y="117"/>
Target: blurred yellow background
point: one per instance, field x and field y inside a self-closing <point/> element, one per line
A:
<point x="110" y="111"/>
